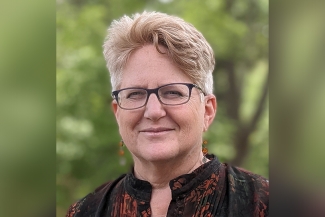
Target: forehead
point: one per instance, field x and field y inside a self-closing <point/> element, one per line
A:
<point x="146" y="67"/>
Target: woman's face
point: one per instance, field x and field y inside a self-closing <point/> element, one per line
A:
<point x="158" y="132"/>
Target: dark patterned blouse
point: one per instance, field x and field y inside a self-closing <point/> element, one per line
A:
<point x="213" y="189"/>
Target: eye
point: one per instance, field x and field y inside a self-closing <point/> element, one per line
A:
<point x="135" y="94"/>
<point x="172" y="94"/>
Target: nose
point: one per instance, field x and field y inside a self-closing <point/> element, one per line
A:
<point x="154" y="110"/>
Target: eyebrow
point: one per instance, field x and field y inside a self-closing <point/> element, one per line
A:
<point x="146" y="87"/>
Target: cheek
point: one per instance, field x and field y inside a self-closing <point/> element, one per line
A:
<point x="193" y="120"/>
<point x="127" y="121"/>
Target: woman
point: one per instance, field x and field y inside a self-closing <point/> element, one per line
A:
<point x="161" y="73"/>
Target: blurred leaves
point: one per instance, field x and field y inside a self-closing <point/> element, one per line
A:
<point x="87" y="133"/>
<point x="27" y="94"/>
<point x="298" y="124"/>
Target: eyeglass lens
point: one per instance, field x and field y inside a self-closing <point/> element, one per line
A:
<point x="173" y="94"/>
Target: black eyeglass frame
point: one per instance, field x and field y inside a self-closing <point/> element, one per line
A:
<point x="155" y="91"/>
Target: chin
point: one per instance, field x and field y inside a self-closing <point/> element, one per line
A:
<point x="158" y="156"/>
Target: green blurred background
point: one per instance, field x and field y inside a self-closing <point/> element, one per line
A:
<point x="87" y="133"/>
<point x="27" y="97"/>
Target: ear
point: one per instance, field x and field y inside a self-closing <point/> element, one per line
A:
<point x="115" y="108"/>
<point x="210" y="110"/>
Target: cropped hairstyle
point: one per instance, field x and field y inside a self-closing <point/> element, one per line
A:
<point x="185" y="45"/>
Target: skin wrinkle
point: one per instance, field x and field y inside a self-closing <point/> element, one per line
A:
<point x="185" y="140"/>
<point x="149" y="50"/>
<point x="158" y="157"/>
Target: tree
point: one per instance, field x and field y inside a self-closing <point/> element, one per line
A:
<point x="87" y="134"/>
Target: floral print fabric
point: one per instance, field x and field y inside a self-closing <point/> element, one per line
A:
<point x="214" y="189"/>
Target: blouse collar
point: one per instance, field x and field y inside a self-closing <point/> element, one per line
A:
<point x="180" y="186"/>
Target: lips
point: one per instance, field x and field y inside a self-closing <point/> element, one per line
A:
<point x="156" y="130"/>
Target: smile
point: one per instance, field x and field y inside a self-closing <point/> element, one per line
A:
<point x="159" y="130"/>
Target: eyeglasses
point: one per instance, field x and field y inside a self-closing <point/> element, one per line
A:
<point x="169" y="94"/>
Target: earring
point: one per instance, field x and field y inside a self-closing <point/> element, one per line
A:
<point x="121" y="153"/>
<point x="204" y="149"/>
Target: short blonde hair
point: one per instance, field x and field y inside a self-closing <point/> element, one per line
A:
<point x="185" y="45"/>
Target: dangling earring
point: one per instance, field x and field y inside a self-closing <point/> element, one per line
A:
<point x="121" y="153"/>
<point x="204" y="149"/>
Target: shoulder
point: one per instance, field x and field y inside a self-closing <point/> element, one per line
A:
<point x="89" y="205"/>
<point x="248" y="189"/>
<point x="240" y="175"/>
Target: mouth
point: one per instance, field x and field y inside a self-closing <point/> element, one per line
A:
<point x="156" y="130"/>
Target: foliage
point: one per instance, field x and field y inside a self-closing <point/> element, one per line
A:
<point x="87" y="134"/>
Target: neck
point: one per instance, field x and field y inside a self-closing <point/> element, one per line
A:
<point x="160" y="173"/>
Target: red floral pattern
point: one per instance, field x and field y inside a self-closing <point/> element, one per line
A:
<point x="214" y="189"/>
